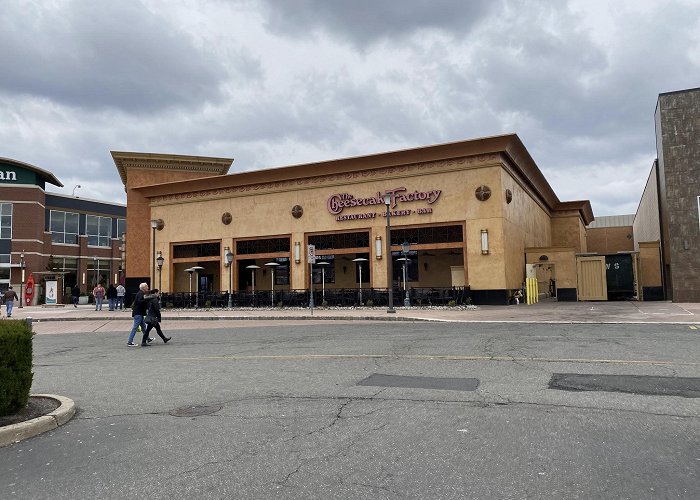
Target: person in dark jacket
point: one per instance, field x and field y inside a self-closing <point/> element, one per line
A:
<point x="111" y="296"/>
<point x="153" y="317"/>
<point x="138" y="312"/>
<point x="75" y="295"/>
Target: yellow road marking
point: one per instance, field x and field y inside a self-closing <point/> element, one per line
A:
<point x="291" y="357"/>
<point x="693" y="327"/>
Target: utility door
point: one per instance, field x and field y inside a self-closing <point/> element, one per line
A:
<point x="591" y="278"/>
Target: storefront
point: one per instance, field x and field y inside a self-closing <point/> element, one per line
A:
<point x="461" y="215"/>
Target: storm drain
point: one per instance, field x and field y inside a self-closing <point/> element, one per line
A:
<point x="687" y="387"/>
<point x="194" y="411"/>
<point x="446" y="384"/>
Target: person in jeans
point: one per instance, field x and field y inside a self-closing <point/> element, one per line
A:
<point x="75" y="295"/>
<point x="138" y="311"/>
<point x="99" y="293"/>
<point x="153" y="317"/>
<point x="121" y="291"/>
<point x="111" y="296"/>
<point x="10" y="297"/>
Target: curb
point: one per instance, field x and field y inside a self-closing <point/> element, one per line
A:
<point x="11" y="434"/>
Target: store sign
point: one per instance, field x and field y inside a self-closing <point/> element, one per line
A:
<point x="338" y="202"/>
<point x="8" y="175"/>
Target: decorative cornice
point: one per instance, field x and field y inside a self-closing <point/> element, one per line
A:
<point x="154" y="161"/>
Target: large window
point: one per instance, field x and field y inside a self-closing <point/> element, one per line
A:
<point x="4" y="271"/>
<point x="6" y="221"/>
<point x="99" y="231"/>
<point x="121" y="228"/>
<point x="64" y="227"/>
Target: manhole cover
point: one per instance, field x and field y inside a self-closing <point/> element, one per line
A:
<point x="448" y="384"/>
<point x="194" y="411"/>
<point x="649" y="385"/>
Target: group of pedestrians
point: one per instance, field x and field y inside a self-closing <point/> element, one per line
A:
<point x="146" y="313"/>
<point x="114" y="296"/>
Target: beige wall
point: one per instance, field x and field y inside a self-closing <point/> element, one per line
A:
<point x="650" y="263"/>
<point x="568" y="230"/>
<point x="561" y="260"/>
<point x="608" y="240"/>
<point x="646" y="220"/>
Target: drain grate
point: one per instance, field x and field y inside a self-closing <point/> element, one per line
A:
<point x="446" y="384"/>
<point x="195" y="411"/>
<point x="648" y="385"/>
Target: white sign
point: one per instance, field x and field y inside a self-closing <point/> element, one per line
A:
<point x="52" y="292"/>
<point x="312" y="254"/>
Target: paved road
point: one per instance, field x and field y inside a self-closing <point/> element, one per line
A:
<point x="294" y="423"/>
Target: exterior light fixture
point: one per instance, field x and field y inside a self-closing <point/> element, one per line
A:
<point x="229" y="264"/>
<point x="378" y="247"/>
<point x="297" y="252"/>
<point x="484" y="241"/>
<point x="389" y="259"/>
<point x="160" y="261"/>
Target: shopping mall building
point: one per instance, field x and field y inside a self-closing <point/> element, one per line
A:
<point x="474" y="215"/>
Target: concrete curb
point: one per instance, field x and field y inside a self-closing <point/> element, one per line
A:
<point x="11" y="434"/>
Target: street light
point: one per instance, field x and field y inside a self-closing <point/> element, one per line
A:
<point x="389" y="258"/>
<point x="196" y="269"/>
<point x="272" y="266"/>
<point x="160" y="260"/>
<point x="229" y="263"/>
<point x="323" y="278"/>
<point x="154" y="225"/>
<point x="404" y="251"/>
<point x="360" y="260"/>
<point x="189" y="270"/>
<point x="21" y="283"/>
<point x="96" y="268"/>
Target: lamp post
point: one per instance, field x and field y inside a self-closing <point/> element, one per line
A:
<point x="360" y="260"/>
<point x="21" y="283"/>
<point x="154" y="225"/>
<point x="323" y="265"/>
<point x="404" y="251"/>
<point x="160" y="260"/>
<point x="272" y="266"/>
<point x="196" y="269"/>
<point x="229" y="263"/>
<point x="96" y="267"/>
<point x="389" y="258"/>
<point x="189" y="270"/>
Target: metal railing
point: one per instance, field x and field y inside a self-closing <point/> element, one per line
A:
<point x="334" y="297"/>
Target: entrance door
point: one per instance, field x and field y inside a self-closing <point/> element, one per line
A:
<point x="206" y="282"/>
<point x="591" y="278"/>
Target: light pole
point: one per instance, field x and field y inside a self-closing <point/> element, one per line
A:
<point x="229" y="263"/>
<point x="404" y="250"/>
<point x="96" y="267"/>
<point x="21" y="283"/>
<point x="389" y="258"/>
<point x="360" y="260"/>
<point x="189" y="270"/>
<point x="196" y="293"/>
<point x="253" y="268"/>
<point x="323" y="265"/>
<point x="272" y="266"/>
<point x="154" y="225"/>
<point x="160" y="260"/>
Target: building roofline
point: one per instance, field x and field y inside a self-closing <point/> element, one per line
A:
<point x="44" y="174"/>
<point x="125" y="159"/>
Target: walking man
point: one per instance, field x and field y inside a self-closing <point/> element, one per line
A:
<point x="10" y="297"/>
<point x="75" y="295"/>
<point x="121" y="291"/>
<point x="138" y="311"/>
<point x="111" y="296"/>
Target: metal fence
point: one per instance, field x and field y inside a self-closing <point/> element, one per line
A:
<point x="335" y="297"/>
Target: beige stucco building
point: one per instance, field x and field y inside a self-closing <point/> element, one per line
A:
<point x="474" y="213"/>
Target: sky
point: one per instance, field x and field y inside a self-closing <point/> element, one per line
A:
<point x="276" y="83"/>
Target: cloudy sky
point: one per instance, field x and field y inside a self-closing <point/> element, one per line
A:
<point x="275" y="83"/>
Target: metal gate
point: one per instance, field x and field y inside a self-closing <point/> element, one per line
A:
<point x="592" y="283"/>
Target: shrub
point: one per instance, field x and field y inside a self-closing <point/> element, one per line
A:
<point x="324" y="303"/>
<point x="15" y="365"/>
<point x="169" y="305"/>
<point x="280" y="304"/>
<point x="207" y="304"/>
<point x="369" y="303"/>
<point x="451" y="303"/>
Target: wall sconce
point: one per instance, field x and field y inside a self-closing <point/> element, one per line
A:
<point x="83" y="278"/>
<point x="484" y="241"/>
<point x="297" y="252"/>
<point x="378" y="247"/>
<point x="226" y="251"/>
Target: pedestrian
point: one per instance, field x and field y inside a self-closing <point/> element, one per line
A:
<point x="10" y="297"/>
<point x="518" y="295"/>
<point x="153" y="318"/>
<point x="75" y="295"/>
<point x="138" y="312"/>
<point x="99" y="293"/>
<point x="111" y="296"/>
<point x="121" y="291"/>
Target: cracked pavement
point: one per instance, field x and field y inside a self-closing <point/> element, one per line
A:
<point x="295" y="424"/>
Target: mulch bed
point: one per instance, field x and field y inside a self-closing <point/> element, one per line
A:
<point x="36" y="407"/>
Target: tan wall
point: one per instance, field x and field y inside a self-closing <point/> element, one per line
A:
<point x="562" y="261"/>
<point x="568" y="231"/>
<point x="650" y="263"/>
<point x="646" y="220"/>
<point x="607" y="240"/>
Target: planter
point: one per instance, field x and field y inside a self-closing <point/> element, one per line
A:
<point x="83" y="300"/>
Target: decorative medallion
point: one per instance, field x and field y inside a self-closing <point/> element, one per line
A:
<point x="509" y="195"/>
<point x="297" y="211"/>
<point x="226" y="218"/>
<point x="483" y="193"/>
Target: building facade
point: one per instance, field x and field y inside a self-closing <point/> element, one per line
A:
<point x="471" y="213"/>
<point x="41" y="232"/>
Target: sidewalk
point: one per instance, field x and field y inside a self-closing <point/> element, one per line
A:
<point x="543" y="312"/>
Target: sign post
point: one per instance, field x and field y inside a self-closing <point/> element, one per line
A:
<point x="311" y="255"/>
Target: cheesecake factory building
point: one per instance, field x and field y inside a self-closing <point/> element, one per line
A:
<point x="473" y="215"/>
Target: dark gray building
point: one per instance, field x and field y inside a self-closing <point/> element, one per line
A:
<point x="678" y="182"/>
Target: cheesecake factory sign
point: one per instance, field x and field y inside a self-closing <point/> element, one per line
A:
<point x="338" y="202"/>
